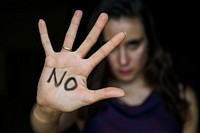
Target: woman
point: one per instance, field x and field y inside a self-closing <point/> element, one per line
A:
<point x="155" y="100"/>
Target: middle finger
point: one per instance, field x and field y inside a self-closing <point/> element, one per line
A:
<point x="93" y="35"/>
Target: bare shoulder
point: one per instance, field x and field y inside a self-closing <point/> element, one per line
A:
<point x="188" y="93"/>
<point x="191" y="124"/>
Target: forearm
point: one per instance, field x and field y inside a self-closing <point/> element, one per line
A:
<point x="44" y="120"/>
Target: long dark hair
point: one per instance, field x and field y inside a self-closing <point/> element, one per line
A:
<point x="159" y="66"/>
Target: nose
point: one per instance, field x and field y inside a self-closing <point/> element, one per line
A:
<point x="123" y="56"/>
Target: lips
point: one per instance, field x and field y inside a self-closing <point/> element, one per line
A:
<point x="125" y="72"/>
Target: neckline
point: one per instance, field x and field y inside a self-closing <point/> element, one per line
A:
<point x="149" y="103"/>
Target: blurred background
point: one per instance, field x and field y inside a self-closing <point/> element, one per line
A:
<point x="22" y="55"/>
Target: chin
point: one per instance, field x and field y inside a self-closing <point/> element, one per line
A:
<point x="125" y="79"/>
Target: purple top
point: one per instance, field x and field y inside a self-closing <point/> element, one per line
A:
<point x="149" y="117"/>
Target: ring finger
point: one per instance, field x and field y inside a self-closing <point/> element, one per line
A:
<point x="72" y="31"/>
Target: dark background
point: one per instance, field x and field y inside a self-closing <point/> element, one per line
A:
<point x="22" y="55"/>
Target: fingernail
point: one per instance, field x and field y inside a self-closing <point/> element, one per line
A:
<point x="103" y="16"/>
<point x="78" y="13"/>
<point x="41" y="22"/>
<point x="125" y="33"/>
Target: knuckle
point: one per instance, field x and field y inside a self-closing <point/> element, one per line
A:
<point x="69" y="38"/>
<point x="102" y="52"/>
<point x="46" y="41"/>
<point x="90" y="40"/>
<point x="98" y="26"/>
<point x="112" y="44"/>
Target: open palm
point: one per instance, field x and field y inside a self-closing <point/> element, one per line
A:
<point x="63" y="82"/>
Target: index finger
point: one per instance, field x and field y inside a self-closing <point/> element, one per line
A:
<point x="104" y="50"/>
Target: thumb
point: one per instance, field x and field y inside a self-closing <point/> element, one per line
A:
<point x="104" y="93"/>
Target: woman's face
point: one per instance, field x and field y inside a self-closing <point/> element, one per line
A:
<point x="128" y="59"/>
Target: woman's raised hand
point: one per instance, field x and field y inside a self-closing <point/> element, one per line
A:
<point x="63" y="82"/>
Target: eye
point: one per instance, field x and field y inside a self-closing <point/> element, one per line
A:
<point x="114" y="51"/>
<point x="133" y="44"/>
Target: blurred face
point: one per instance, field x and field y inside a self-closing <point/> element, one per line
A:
<point x="128" y="59"/>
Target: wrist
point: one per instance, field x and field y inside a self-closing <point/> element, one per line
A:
<point x="45" y="114"/>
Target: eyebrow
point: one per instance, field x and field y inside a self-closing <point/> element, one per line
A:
<point x="135" y="40"/>
<point x="129" y="42"/>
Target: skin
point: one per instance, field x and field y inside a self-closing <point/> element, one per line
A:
<point x="52" y="97"/>
<point x="78" y="67"/>
<point x="127" y="60"/>
<point x="56" y="106"/>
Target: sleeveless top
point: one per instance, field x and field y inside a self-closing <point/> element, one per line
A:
<point x="149" y="117"/>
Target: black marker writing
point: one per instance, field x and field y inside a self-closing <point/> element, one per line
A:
<point x="70" y="83"/>
<point x="55" y="79"/>
<point x="74" y="84"/>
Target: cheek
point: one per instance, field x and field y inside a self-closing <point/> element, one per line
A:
<point x="139" y="58"/>
<point x="112" y="60"/>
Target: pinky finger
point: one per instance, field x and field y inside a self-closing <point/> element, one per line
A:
<point x="45" y="38"/>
